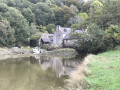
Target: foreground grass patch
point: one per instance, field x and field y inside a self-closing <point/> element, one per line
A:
<point x="105" y="71"/>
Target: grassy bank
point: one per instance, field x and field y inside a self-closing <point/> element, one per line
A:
<point x="104" y="71"/>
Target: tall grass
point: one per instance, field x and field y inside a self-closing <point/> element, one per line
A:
<point x="76" y="80"/>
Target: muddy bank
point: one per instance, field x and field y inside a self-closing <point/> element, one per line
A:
<point x="76" y="79"/>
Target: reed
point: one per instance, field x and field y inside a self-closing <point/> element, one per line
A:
<point x="76" y="79"/>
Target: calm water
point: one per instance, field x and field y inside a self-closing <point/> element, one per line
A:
<point x="36" y="73"/>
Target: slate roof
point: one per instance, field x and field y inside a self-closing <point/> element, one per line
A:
<point x="65" y="30"/>
<point x="47" y="37"/>
<point x="79" y="31"/>
<point x="67" y="37"/>
<point x="49" y="34"/>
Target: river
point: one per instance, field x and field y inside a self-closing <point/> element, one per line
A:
<point x="36" y="73"/>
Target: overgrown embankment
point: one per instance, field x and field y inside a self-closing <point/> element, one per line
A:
<point x="77" y="77"/>
<point x="64" y="52"/>
<point x="104" y="71"/>
<point x="97" y="72"/>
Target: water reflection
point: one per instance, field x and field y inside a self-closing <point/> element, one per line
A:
<point x="62" y="66"/>
<point x="35" y="73"/>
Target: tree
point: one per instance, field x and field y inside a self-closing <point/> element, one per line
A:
<point x="112" y="37"/>
<point x="96" y="9"/>
<point x="111" y="13"/>
<point x="3" y="7"/>
<point x="42" y="13"/>
<point x="62" y="15"/>
<point x="20" y="24"/>
<point x="93" y="40"/>
<point x="74" y="8"/>
<point x="70" y="2"/>
<point x="6" y="34"/>
<point x="29" y="15"/>
<point x="50" y="28"/>
<point x="42" y="29"/>
<point x="78" y="22"/>
<point x="33" y="29"/>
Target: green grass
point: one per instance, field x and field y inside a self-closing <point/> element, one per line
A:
<point x="104" y="71"/>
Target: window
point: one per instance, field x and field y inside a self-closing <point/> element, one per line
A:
<point x="65" y="30"/>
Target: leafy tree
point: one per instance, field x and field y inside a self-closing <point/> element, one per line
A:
<point x="42" y="13"/>
<point x="19" y="23"/>
<point x="42" y="29"/>
<point x="74" y="8"/>
<point x="96" y="9"/>
<point x="6" y="34"/>
<point x="35" y="1"/>
<point x="112" y="37"/>
<point x="33" y="29"/>
<point x="3" y="7"/>
<point x="111" y="13"/>
<point x="62" y="15"/>
<point x="29" y="15"/>
<point x="92" y="40"/>
<point x="70" y="2"/>
<point x="79" y="21"/>
<point x="36" y="36"/>
<point x="11" y="3"/>
<point x="50" y="28"/>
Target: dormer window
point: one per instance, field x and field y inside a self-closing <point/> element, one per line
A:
<point x="65" y="30"/>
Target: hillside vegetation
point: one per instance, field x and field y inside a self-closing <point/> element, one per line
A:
<point x="21" y="20"/>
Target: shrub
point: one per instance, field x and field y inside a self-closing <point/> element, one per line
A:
<point x="92" y="40"/>
<point x="112" y="37"/>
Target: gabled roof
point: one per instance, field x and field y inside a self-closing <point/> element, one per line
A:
<point x="67" y="37"/>
<point x="47" y="37"/>
<point x="65" y="30"/>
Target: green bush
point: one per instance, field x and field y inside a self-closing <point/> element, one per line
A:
<point x="36" y="36"/>
<point x="112" y="37"/>
<point x="92" y="40"/>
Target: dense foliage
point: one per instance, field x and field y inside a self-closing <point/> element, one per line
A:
<point x="24" y="19"/>
<point x="102" y="25"/>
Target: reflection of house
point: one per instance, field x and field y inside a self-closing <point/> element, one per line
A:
<point x="60" y="66"/>
<point x="61" y="34"/>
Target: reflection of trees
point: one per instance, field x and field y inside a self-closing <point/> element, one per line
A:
<point x="26" y="74"/>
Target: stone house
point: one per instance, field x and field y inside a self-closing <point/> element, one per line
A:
<point x="61" y="34"/>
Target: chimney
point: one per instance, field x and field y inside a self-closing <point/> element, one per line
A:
<point x="57" y="27"/>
